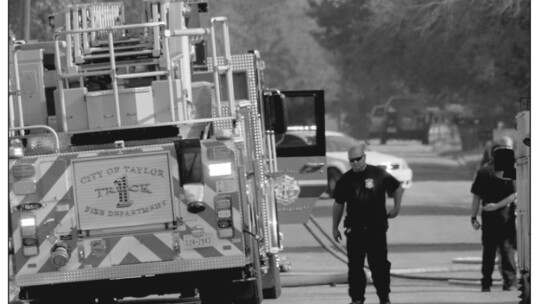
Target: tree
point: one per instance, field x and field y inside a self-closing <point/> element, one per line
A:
<point x="446" y="51"/>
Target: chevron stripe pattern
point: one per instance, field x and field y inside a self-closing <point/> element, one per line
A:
<point x="155" y="234"/>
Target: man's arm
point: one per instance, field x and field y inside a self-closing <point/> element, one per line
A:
<point x="337" y="213"/>
<point x="474" y="211"/>
<point x="500" y="204"/>
<point x="398" y="195"/>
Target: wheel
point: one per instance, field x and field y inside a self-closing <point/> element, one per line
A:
<point x="216" y="292"/>
<point x="424" y="138"/>
<point x="272" y="280"/>
<point x="333" y="176"/>
<point x="384" y="138"/>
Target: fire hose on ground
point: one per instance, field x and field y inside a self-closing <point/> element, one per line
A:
<point x="340" y="253"/>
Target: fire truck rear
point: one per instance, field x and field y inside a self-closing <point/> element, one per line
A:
<point x="138" y="165"/>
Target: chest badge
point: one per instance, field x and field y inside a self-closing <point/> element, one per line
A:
<point x="369" y="183"/>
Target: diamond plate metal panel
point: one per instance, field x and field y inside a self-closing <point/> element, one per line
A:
<point x="117" y="272"/>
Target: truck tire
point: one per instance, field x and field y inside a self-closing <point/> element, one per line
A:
<point x="333" y="177"/>
<point x="217" y="291"/>
<point x="272" y="280"/>
<point x="250" y="291"/>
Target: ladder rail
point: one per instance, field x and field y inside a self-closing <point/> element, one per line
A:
<point x="226" y="67"/>
<point x="18" y="87"/>
<point x="111" y="71"/>
<point x="114" y="80"/>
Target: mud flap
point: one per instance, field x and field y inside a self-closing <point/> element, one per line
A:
<point x="271" y="279"/>
<point x="247" y="291"/>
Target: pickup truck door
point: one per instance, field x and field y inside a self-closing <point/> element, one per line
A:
<point x="301" y="153"/>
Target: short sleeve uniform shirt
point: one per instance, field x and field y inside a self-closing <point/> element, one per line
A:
<point x="365" y="195"/>
<point x="492" y="189"/>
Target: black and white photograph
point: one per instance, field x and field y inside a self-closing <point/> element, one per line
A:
<point x="268" y="152"/>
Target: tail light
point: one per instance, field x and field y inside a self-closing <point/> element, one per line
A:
<point x="29" y="234"/>
<point x="16" y="149"/>
<point x="23" y="173"/>
<point x="223" y="206"/>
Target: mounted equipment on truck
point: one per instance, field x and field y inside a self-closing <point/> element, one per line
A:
<point x="139" y="166"/>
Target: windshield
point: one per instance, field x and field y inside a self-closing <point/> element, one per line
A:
<point x="339" y="143"/>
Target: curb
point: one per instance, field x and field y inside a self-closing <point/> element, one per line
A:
<point x="313" y="279"/>
<point x="473" y="282"/>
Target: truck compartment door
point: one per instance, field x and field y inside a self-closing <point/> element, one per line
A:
<point x="301" y="154"/>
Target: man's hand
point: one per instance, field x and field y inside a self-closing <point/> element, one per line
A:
<point x="476" y="225"/>
<point x="337" y="235"/>
<point x="490" y="207"/>
<point x="393" y="213"/>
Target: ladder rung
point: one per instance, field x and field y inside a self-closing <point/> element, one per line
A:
<point x="120" y="64"/>
<point x="117" y="48"/>
<point x="122" y="54"/>
<point x="124" y="41"/>
<point x="145" y="74"/>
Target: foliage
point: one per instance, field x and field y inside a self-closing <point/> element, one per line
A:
<point x="42" y="9"/>
<point x="445" y="51"/>
<point x="281" y="32"/>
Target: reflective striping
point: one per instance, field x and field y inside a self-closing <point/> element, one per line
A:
<point x="157" y="246"/>
<point x="129" y="259"/>
<point x="130" y="245"/>
<point x="93" y="260"/>
<point x="43" y="231"/>
<point x="137" y="251"/>
<point x="50" y="175"/>
<point x="39" y="261"/>
<point x="59" y="187"/>
<point x="208" y="252"/>
<point x="123" y="271"/>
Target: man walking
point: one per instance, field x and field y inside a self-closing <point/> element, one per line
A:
<point x="496" y="194"/>
<point x="363" y="191"/>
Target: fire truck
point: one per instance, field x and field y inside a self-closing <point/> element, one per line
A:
<point x="142" y="159"/>
<point x="523" y="203"/>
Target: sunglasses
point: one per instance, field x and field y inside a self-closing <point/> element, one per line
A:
<point x="352" y="160"/>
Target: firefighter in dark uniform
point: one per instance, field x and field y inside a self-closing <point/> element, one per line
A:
<point x="363" y="190"/>
<point x="496" y="194"/>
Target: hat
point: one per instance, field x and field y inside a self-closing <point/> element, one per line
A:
<point x="503" y="142"/>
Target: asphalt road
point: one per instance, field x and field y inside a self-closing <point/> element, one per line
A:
<point x="430" y="231"/>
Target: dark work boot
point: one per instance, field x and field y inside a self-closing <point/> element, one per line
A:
<point x="385" y="300"/>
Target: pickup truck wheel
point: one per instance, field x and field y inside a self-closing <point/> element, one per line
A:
<point x="333" y="177"/>
<point x="384" y="138"/>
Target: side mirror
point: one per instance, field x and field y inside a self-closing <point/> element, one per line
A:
<point x="274" y="110"/>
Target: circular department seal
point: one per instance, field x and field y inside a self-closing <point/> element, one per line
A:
<point x="286" y="190"/>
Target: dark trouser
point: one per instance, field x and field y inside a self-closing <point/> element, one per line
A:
<point x="373" y="244"/>
<point x="498" y="233"/>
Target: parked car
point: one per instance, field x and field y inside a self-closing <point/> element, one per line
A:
<point x="337" y="161"/>
<point x="376" y="120"/>
<point x="405" y="118"/>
